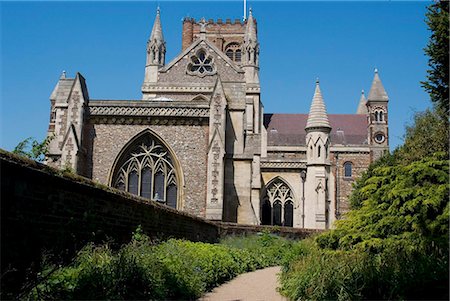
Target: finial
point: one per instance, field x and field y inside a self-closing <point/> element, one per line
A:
<point x="158" y="10"/>
<point x="202" y="25"/>
<point x="63" y="74"/>
<point x="362" y="91"/>
<point x="250" y="11"/>
<point x="317" y="80"/>
<point x="376" y="70"/>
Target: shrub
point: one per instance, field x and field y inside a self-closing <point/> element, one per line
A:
<point x="174" y="269"/>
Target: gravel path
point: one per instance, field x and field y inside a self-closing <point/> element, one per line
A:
<point x="255" y="286"/>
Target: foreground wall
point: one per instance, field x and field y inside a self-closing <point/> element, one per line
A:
<point x="44" y="209"/>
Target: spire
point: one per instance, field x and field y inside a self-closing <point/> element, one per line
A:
<point x="317" y="117"/>
<point x="157" y="29"/>
<point x="250" y="30"/>
<point x="362" y="107"/>
<point x="377" y="91"/>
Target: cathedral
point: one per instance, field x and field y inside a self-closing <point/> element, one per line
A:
<point x="200" y="141"/>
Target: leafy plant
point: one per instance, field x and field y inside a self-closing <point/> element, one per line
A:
<point x="33" y="149"/>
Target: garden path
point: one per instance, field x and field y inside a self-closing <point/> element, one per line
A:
<point x="259" y="285"/>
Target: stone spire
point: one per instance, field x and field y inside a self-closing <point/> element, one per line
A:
<point x="377" y="92"/>
<point x="250" y="49"/>
<point x="156" y="46"/>
<point x="157" y="29"/>
<point x="317" y="117"/>
<point x="250" y="30"/>
<point x="362" y="107"/>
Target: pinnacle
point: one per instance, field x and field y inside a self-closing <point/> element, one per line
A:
<point x="250" y="30"/>
<point x="157" y="29"/>
<point x="377" y="91"/>
<point x="362" y="106"/>
<point x="317" y="117"/>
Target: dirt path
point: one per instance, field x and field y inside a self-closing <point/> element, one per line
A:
<point x="255" y="286"/>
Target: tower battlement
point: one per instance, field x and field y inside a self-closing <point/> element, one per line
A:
<point x="220" y="32"/>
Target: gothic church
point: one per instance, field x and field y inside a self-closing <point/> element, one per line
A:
<point x="199" y="140"/>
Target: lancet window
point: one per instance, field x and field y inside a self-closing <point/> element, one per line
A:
<point x="277" y="205"/>
<point x="146" y="169"/>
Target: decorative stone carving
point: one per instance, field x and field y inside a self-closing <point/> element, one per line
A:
<point x="148" y="111"/>
<point x="283" y="165"/>
<point x="216" y="153"/>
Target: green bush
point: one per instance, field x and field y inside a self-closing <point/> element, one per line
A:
<point x="393" y="245"/>
<point x="174" y="269"/>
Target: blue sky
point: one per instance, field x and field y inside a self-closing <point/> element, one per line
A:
<point x="339" y="42"/>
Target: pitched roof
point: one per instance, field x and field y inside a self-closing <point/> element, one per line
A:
<point x="317" y="113"/>
<point x="289" y="129"/>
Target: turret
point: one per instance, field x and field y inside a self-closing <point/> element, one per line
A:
<point x="377" y="106"/>
<point x="318" y="131"/>
<point x="156" y="51"/>
<point x="250" y="62"/>
<point x="318" y="163"/>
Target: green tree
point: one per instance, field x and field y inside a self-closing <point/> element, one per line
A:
<point x="438" y="51"/>
<point x="33" y="149"/>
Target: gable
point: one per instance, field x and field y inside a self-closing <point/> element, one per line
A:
<point x="179" y="71"/>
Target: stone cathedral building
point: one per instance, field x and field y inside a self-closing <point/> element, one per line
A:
<point x="200" y="141"/>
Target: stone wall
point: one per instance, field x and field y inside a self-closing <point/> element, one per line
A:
<point x="45" y="209"/>
<point x="189" y="142"/>
<point x="42" y="210"/>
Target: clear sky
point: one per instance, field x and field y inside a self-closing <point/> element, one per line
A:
<point x="339" y="42"/>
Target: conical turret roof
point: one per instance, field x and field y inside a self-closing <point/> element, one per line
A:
<point x="362" y="107"/>
<point x="157" y="33"/>
<point x="317" y="117"/>
<point x="377" y="91"/>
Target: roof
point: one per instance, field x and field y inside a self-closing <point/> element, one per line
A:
<point x="289" y="129"/>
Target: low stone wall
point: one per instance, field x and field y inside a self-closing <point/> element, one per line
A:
<point x="44" y="209"/>
<point x="231" y="229"/>
<point x="60" y="213"/>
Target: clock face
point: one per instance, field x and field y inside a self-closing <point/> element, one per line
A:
<point x="379" y="138"/>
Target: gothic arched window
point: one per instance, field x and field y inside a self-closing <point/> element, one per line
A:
<point x="348" y="166"/>
<point x="233" y="51"/>
<point x="277" y="205"/>
<point x="146" y="168"/>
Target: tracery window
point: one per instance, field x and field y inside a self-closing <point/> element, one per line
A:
<point x="146" y="169"/>
<point x="277" y="205"/>
<point x="233" y="51"/>
<point x="201" y="64"/>
<point x="348" y="166"/>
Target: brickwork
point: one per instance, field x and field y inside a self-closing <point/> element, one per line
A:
<point x="189" y="142"/>
<point x="220" y="32"/>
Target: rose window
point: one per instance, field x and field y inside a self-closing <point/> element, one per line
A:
<point x="201" y="64"/>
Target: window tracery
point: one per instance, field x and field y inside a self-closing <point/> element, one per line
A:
<point x="146" y="169"/>
<point x="277" y="206"/>
<point x="201" y="64"/>
<point x="234" y="52"/>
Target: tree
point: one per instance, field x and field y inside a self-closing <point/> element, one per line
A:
<point x="438" y="51"/>
<point x="33" y="149"/>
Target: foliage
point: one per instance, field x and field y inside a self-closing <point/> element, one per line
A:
<point x="33" y="149"/>
<point x="175" y="269"/>
<point x="394" y="245"/>
<point x="428" y="135"/>
<point x="438" y="51"/>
